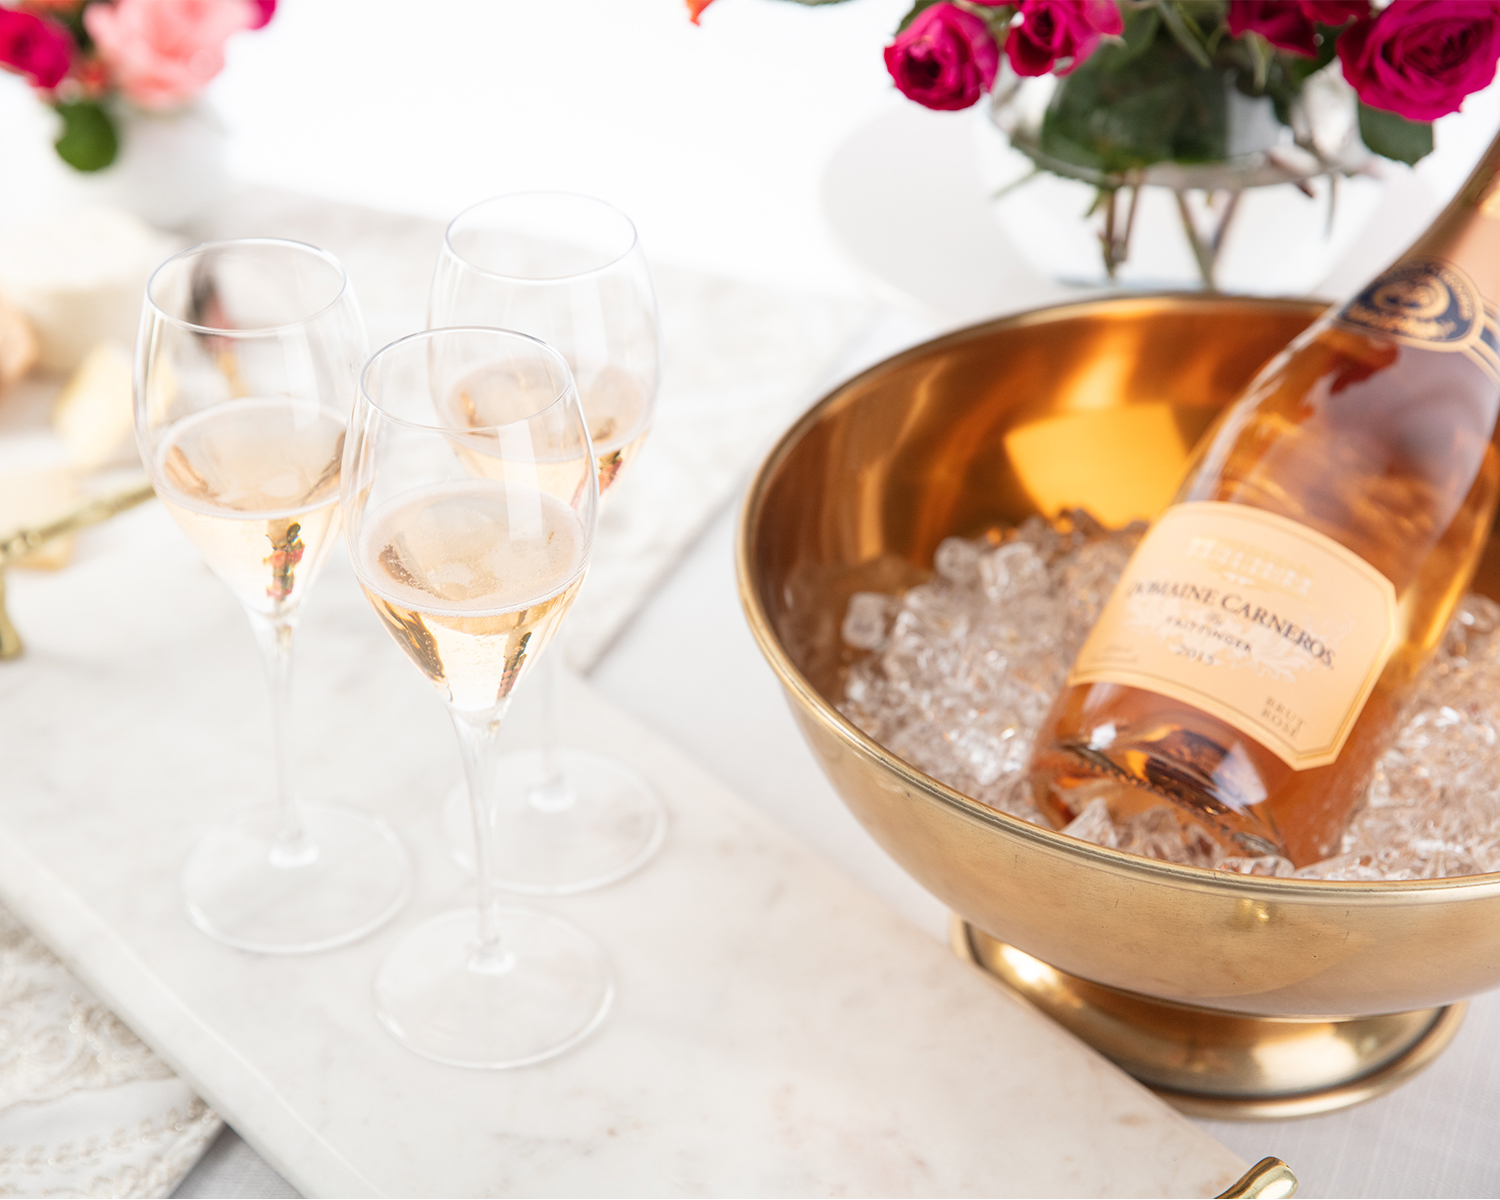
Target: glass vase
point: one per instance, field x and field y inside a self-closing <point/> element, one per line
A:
<point x="1270" y="218"/>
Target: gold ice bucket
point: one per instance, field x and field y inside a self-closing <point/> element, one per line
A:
<point x="1231" y="995"/>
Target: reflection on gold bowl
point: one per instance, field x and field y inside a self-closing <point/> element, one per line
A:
<point x="1231" y="995"/>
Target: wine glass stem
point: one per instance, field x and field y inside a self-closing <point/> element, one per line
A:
<point x="478" y="742"/>
<point x="274" y="634"/>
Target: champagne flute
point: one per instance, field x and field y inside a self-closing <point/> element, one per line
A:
<point x="247" y="356"/>
<point x="471" y="541"/>
<point x="566" y="269"/>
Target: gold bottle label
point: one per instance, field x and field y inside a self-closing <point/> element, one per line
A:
<point x="1264" y="623"/>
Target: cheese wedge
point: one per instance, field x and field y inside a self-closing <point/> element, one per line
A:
<point x="93" y="415"/>
<point x="79" y="276"/>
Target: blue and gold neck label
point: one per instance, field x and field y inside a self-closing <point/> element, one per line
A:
<point x="1432" y="305"/>
<point x="1425" y="303"/>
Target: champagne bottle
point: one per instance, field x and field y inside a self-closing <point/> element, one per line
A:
<point x="1250" y="666"/>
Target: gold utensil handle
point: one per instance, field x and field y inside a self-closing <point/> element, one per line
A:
<point x="1269" y="1179"/>
<point x="23" y="541"/>
<point x="90" y="512"/>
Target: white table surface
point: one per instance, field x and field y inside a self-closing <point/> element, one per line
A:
<point x="716" y="140"/>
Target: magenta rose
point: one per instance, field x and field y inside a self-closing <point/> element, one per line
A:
<point x="264" y="11"/>
<point x="37" y="48"/>
<point x="1419" y="59"/>
<point x="945" y="59"/>
<point x="1053" y="32"/>
<point x="1336" y="12"/>
<point x="1292" y="24"/>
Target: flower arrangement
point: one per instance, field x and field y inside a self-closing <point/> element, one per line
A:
<point x="1140" y="63"/>
<point x="84" y="57"/>
<point x="1145" y="82"/>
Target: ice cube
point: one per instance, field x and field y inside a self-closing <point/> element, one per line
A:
<point x="866" y="620"/>
<point x="1093" y="824"/>
<point x="1012" y="570"/>
<point x="1158" y="833"/>
<point x="1265" y="864"/>
<point x="957" y="561"/>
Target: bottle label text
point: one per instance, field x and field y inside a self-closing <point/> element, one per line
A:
<point x="1254" y="618"/>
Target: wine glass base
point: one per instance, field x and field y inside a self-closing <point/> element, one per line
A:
<point x="352" y="877"/>
<point x="604" y="822"/>
<point x="551" y="992"/>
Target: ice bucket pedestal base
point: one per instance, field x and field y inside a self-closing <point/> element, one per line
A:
<point x="1217" y="1064"/>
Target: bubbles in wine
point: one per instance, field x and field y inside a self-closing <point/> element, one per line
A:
<point x="254" y="484"/>
<point x="473" y="546"/>
<point x="255" y="455"/>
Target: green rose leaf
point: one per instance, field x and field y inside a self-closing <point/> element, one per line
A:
<point x="88" y="141"/>
<point x="1392" y="136"/>
<point x="1140" y="33"/>
<point x="1262" y="55"/>
<point x="1136" y="102"/>
<point x="916" y="11"/>
<point x="1182" y="27"/>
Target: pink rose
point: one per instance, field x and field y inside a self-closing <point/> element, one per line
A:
<point x="1053" y="32"/>
<point x="1292" y="24"/>
<point x="265" y="10"/>
<point x="1419" y="59"/>
<point x="944" y="59"/>
<point x="163" y="52"/>
<point x="37" y="48"/>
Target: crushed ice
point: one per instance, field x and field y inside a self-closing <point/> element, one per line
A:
<point x="963" y="668"/>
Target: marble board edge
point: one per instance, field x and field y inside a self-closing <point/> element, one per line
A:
<point x="78" y="936"/>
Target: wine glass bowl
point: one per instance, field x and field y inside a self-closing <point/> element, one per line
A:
<point x="566" y="269"/>
<point x="471" y="497"/>
<point x="464" y="536"/>
<point x="1232" y="995"/>
<point x="245" y="364"/>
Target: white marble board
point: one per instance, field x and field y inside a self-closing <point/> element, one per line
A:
<point x="777" y="1031"/>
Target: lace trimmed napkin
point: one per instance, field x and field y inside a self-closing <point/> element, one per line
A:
<point x="68" y="1064"/>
